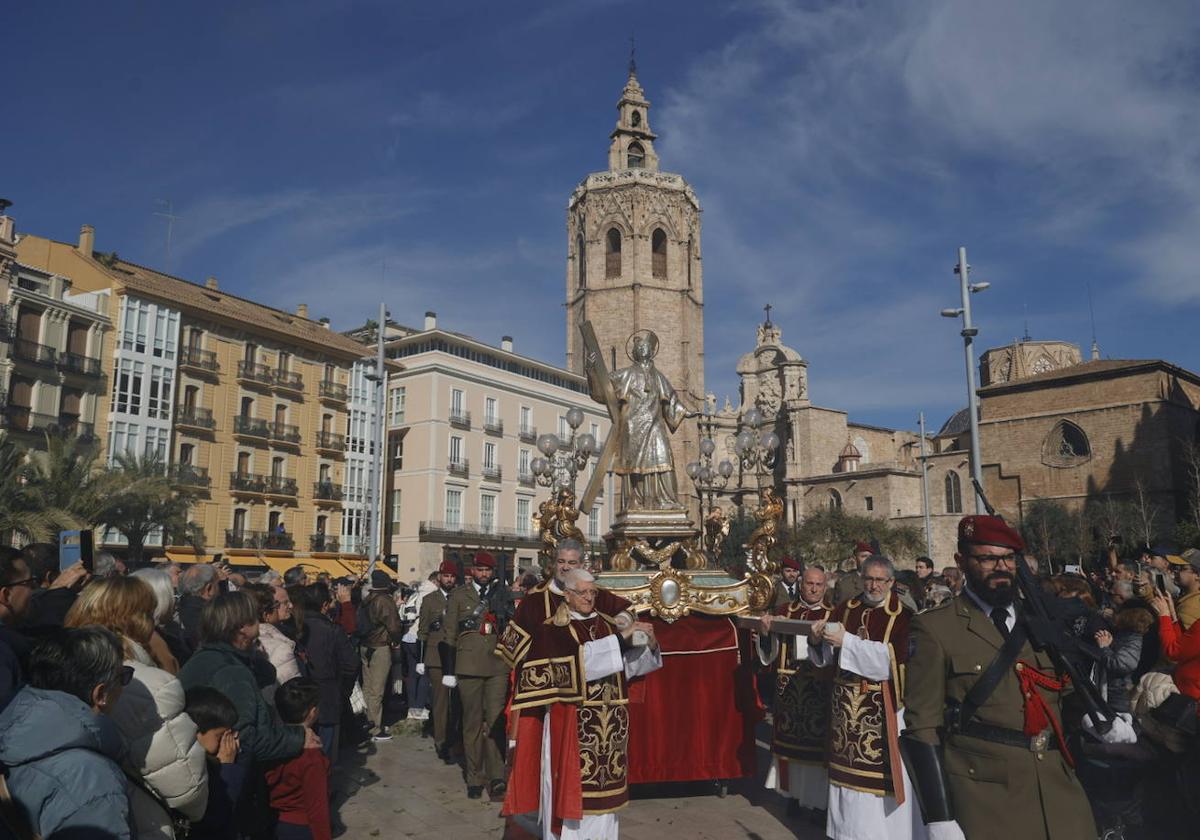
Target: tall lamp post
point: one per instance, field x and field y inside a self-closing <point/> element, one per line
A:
<point x="757" y="449"/>
<point x="969" y="331"/>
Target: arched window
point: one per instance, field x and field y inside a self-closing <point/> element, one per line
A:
<point x="581" y="261"/>
<point x="953" y="493"/>
<point x="636" y="156"/>
<point x="658" y="252"/>
<point x="835" y="500"/>
<point x="635" y="119"/>
<point x="612" y="259"/>
<point x="1066" y="446"/>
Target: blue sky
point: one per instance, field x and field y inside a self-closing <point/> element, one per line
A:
<point x="334" y="154"/>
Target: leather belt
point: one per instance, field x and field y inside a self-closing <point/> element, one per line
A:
<point x="1040" y="742"/>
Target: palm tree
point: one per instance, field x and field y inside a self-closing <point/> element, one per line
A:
<point x="22" y="513"/>
<point x="67" y="480"/>
<point x="137" y="499"/>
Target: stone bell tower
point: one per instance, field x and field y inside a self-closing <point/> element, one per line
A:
<point x="634" y="262"/>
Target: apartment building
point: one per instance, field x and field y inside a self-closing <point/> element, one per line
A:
<point x="249" y="404"/>
<point x="52" y="339"/>
<point x="463" y="418"/>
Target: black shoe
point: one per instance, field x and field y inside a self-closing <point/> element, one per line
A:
<point x="497" y="788"/>
<point x="442" y="753"/>
<point x="474" y="791"/>
<point x="793" y="808"/>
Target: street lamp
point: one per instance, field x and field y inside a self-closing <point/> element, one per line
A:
<point x="562" y="460"/>
<point x="969" y="331"/>
<point x="756" y="448"/>
<point x="708" y="481"/>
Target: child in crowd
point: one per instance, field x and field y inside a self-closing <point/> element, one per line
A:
<point x="215" y="716"/>
<point x="300" y="786"/>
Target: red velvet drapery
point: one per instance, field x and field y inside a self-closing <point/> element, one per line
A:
<point x="694" y="718"/>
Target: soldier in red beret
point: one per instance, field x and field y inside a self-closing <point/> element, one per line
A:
<point x="978" y="690"/>
<point x="850" y="583"/>
<point x="434" y="650"/>
<point x="787" y="588"/>
<point x="480" y="676"/>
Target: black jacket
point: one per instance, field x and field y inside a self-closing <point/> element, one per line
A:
<point x="190" y="607"/>
<point x="176" y="638"/>
<point x="13" y="647"/>
<point x="332" y="663"/>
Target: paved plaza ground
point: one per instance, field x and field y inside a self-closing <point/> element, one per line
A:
<point x="401" y="789"/>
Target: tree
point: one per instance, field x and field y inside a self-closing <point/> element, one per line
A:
<point x="67" y="481"/>
<point x="139" y="499"/>
<point x="827" y="536"/>
<point x="1047" y="528"/>
<point x="1146" y="513"/>
<point x="22" y="514"/>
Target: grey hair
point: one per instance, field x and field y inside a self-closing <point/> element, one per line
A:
<point x="881" y="561"/>
<point x="104" y="564"/>
<point x="75" y="661"/>
<point x="569" y="544"/>
<point x="295" y="576"/>
<point x="196" y="578"/>
<point x="1124" y="588"/>
<point x="164" y="592"/>
<point x="271" y="578"/>
<point x="574" y="577"/>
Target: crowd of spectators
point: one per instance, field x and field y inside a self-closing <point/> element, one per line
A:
<point x="198" y="702"/>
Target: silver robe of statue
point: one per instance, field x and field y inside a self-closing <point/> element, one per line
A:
<point x="649" y="413"/>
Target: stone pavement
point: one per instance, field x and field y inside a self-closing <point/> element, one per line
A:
<point x="402" y="790"/>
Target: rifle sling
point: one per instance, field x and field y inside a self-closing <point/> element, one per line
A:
<point x="986" y="684"/>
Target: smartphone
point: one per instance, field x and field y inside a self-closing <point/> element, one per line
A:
<point x="1161" y="583"/>
<point x="76" y="547"/>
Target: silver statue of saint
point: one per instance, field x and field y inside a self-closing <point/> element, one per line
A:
<point x="645" y="411"/>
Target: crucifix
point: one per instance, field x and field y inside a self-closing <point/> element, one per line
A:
<point x="767" y="309"/>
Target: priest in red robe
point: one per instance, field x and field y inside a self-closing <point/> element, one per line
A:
<point x="571" y="768"/>
<point x="802" y="699"/>
<point x="866" y="639"/>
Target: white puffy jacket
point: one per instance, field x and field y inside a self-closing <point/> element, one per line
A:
<point x="162" y="747"/>
<point x="281" y="651"/>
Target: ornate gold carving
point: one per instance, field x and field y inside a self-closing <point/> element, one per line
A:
<point x="769" y="513"/>
<point x="555" y="520"/>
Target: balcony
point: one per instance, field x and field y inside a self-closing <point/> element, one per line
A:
<point x="460" y="419"/>
<point x="75" y="363"/>
<point x="285" y="380"/>
<point x="31" y="351"/>
<point x="188" y="475"/>
<point x="255" y="374"/>
<point x="285" y="433"/>
<point x="270" y="540"/>
<point x="526" y="479"/>
<point x="194" y="417"/>
<point x="459" y="468"/>
<point x="492" y="473"/>
<point x="331" y="442"/>
<point x="431" y="531"/>
<point x="333" y="391"/>
<point x="20" y="418"/>
<point x="251" y="427"/>
<point x="528" y="434"/>
<point x="243" y="482"/>
<point x="278" y="485"/>
<point x="204" y="361"/>
<point x="327" y="491"/>
<point x="323" y="544"/>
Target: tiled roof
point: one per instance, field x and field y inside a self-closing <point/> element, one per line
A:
<point x="226" y="307"/>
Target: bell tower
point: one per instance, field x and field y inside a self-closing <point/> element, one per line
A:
<point x="634" y="262"/>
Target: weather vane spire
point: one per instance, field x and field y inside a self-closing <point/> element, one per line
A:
<point x="632" y="56"/>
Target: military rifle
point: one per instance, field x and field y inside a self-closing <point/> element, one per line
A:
<point x="1048" y="633"/>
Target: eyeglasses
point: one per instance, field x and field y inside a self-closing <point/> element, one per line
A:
<point x="29" y="581"/>
<point x="586" y="594"/>
<point x="990" y="561"/>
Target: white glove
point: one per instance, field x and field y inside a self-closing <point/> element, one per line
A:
<point x="420" y="669"/>
<point x="1121" y="732"/>
<point x="450" y="681"/>
<point x="945" y="830"/>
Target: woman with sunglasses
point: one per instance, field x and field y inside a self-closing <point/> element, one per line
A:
<point x="171" y="773"/>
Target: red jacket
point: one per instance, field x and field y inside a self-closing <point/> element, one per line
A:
<point x="300" y="792"/>
<point x="1183" y="648"/>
